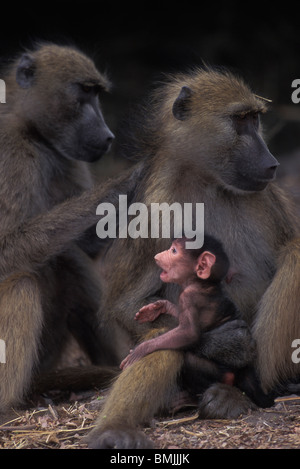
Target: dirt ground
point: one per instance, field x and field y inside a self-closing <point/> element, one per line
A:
<point x="62" y="425"/>
<point x="60" y="420"/>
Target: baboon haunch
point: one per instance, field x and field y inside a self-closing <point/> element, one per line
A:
<point x="202" y="142"/>
<point x="52" y="119"/>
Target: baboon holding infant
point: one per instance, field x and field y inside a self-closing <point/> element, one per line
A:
<point x="201" y="141"/>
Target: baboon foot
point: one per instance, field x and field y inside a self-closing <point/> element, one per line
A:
<point x="118" y="439"/>
<point x="221" y="401"/>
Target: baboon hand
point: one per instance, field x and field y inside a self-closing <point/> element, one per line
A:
<point x="151" y="311"/>
<point x="133" y="356"/>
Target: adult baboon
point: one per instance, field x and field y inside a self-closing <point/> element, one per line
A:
<point x="51" y="121"/>
<point x="202" y="142"/>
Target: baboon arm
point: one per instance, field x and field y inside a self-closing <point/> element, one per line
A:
<point x="172" y="309"/>
<point x="152" y="311"/>
<point x="277" y="322"/>
<point x="21" y="325"/>
<point x="176" y="338"/>
<point x="33" y="243"/>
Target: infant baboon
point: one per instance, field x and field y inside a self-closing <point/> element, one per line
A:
<point x="202" y="306"/>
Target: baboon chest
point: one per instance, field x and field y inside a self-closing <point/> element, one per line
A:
<point x="251" y="254"/>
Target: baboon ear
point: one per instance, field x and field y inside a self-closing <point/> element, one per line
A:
<point x="181" y="104"/>
<point x="25" y="71"/>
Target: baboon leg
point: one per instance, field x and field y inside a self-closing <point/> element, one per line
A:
<point x="277" y="323"/>
<point x="75" y="379"/>
<point x="140" y="391"/>
<point x="81" y="300"/>
<point x="21" y="325"/>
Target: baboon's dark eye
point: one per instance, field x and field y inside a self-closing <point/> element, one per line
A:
<point x="240" y="117"/>
<point x="86" y="88"/>
<point x="255" y="117"/>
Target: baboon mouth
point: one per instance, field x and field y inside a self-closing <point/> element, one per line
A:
<point x="94" y="148"/>
<point x="94" y="153"/>
<point x="252" y="184"/>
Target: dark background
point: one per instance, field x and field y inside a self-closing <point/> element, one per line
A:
<point x="136" y="43"/>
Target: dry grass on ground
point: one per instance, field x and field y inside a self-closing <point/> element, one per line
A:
<point x="63" y="425"/>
